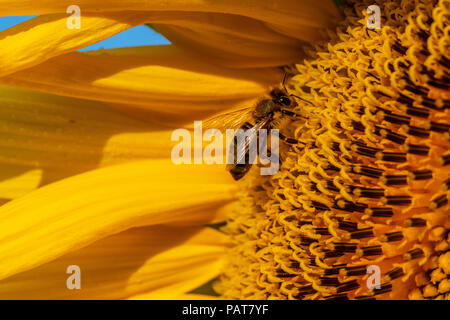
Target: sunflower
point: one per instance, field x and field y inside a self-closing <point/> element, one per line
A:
<point x="95" y="188"/>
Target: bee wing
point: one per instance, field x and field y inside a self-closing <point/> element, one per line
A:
<point x="230" y="120"/>
<point x="243" y="148"/>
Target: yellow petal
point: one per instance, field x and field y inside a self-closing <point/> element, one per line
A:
<point x="44" y="138"/>
<point x="290" y="13"/>
<point x="72" y="213"/>
<point x="233" y="50"/>
<point x="172" y="114"/>
<point x="203" y="214"/>
<point x="305" y="33"/>
<point x="223" y="26"/>
<point x="155" y="77"/>
<point x="34" y="41"/>
<point x="167" y="294"/>
<point x="161" y="260"/>
<point x="16" y="181"/>
<point x="229" y="40"/>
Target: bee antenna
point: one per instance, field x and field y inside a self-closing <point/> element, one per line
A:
<point x="284" y="80"/>
<point x="293" y="95"/>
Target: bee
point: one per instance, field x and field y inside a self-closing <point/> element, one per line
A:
<point x="266" y="114"/>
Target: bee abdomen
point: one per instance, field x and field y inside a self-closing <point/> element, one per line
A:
<point x="239" y="170"/>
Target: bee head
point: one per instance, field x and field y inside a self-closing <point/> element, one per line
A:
<point x="280" y="98"/>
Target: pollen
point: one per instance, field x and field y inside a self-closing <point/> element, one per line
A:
<point x="369" y="184"/>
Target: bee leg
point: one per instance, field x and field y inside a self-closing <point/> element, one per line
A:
<point x="368" y="33"/>
<point x="279" y="156"/>
<point x="287" y="140"/>
<point x="292" y="114"/>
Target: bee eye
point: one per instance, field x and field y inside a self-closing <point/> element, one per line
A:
<point x="276" y="94"/>
<point x="285" y="101"/>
